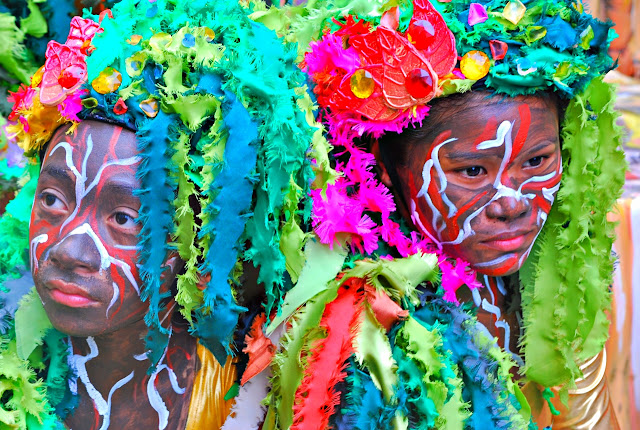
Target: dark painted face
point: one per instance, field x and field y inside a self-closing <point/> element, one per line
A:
<point x="83" y="230"/>
<point x="484" y="186"/>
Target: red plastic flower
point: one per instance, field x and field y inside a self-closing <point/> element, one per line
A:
<point x="64" y="71"/>
<point x="395" y="71"/>
<point x="81" y="33"/>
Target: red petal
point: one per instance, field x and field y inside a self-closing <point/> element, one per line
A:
<point x="442" y="54"/>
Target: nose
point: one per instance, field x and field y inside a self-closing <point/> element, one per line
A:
<point x="508" y="208"/>
<point x="76" y="253"/>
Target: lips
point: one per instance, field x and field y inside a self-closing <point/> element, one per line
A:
<point x="70" y="295"/>
<point x="508" y="241"/>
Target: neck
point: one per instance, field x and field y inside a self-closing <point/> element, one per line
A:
<point x="114" y="384"/>
<point x="106" y="359"/>
<point x="499" y="310"/>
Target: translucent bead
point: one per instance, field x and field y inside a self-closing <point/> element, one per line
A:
<point x="135" y="64"/>
<point x="149" y="107"/>
<point x="421" y="33"/>
<point x="120" y="108"/>
<point x="209" y="34"/>
<point x="37" y="77"/>
<point x="108" y="81"/>
<point x="477" y="14"/>
<point x="159" y="41"/>
<point x="535" y="32"/>
<point x="419" y="84"/>
<point x="71" y="76"/>
<point x="362" y="84"/>
<point x="475" y="65"/>
<point x="498" y="49"/>
<point x="188" y="41"/>
<point x="586" y="37"/>
<point x="562" y="71"/>
<point x="134" y="39"/>
<point x="514" y="11"/>
<point x="90" y="102"/>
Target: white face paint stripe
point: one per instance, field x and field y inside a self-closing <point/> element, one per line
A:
<point x="106" y="260"/>
<point x="443" y="177"/>
<point x="416" y="220"/>
<point x="126" y="162"/>
<point x="495" y="261"/>
<point x="501" y="133"/>
<point x="34" y="246"/>
<point x="116" y="294"/>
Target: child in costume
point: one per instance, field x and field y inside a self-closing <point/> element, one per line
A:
<point x="474" y="295"/>
<point x="168" y="148"/>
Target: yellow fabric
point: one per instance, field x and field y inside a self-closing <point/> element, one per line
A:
<point x="207" y="408"/>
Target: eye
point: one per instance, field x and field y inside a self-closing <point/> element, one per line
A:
<point x="535" y="161"/>
<point x="51" y="201"/>
<point x="473" y="171"/>
<point x="124" y="220"/>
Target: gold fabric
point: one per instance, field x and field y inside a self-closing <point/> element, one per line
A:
<point x="589" y="403"/>
<point x="207" y="408"/>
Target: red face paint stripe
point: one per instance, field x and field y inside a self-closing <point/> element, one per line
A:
<point x="464" y="208"/>
<point x="523" y="131"/>
<point x="489" y="132"/>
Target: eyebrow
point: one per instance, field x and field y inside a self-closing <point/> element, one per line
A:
<point x="539" y="147"/>
<point x="472" y="155"/>
<point x="119" y="188"/>
<point x="58" y="173"/>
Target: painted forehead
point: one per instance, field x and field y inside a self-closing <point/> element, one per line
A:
<point x="475" y="124"/>
<point x="92" y="146"/>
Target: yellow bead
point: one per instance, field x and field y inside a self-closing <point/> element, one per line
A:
<point x="514" y="11"/>
<point x="209" y="34"/>
<point x="362" y="84"/>
<point x="475" y="65"/>
<point x="159" y="41"/>
<point x="149" y="107"/>
<point x="134" y="39"/>
<point x="108" y="81"/>
<point x="37" y="77"/>
<point x="135" y="64"/>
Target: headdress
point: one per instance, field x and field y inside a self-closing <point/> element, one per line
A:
<point x="374" y="67"/>
<point x="219" y="113"/>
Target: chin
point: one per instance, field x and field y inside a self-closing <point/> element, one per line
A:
<point x="504" y="265"/>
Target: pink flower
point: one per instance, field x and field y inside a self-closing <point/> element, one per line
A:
<point x="22" y="100"/>
<point x="340" y="217"/>
<point x="72" y="105"/>
<point x="453" y="277"/>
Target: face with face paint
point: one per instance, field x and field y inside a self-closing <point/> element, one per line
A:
<point x="83" y="230"/>
<point x="481" y="182"/>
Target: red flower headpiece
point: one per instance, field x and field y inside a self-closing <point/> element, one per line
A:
<point x="380" y="80"/>
<point x="54" y="96"/>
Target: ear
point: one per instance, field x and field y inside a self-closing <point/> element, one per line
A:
<point x="383" y="174"/>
